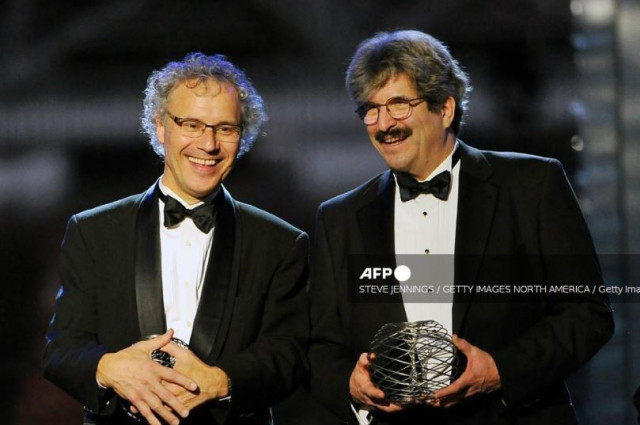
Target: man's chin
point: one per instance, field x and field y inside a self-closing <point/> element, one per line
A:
<point x="204" y="192"/>
<point x="396" y="164"/>
<point x="397" y="169"/>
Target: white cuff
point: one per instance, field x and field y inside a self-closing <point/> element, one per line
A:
<point x="363" y="415"/>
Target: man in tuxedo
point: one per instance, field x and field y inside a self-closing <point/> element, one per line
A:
<point x="183" y="261"/>
<point x="502" y="217"/>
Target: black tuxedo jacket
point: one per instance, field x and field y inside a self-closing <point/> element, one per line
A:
<point x="251" y="321"/>
<point x="515" y="211"/>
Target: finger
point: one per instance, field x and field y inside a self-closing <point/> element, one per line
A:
<point x="160" y="340"/>
<point x="145" y="411"/>
<point x="173" y="349"/>
<point x="446" y="397"/>
<point x="167" y="415"/>
<point x="462" y="344"/>
<point x="448" y="402"/>
<point x="372" y="392"/>
<point x="363" y="360"/>
<point x="176" y="390"/>
<point x="368" y="396"/>
<point x="446" y="392"/>
<point x="152" y="407"/>
<point x="364" y="386"/>
<point x="390" y="408"/>
<point x="454" y="388"/>
<point x="169" y="399"/>
<point x="376" y="402"/>
<point x="173" y="376"/>
<point x="432" y="401"/>
<point x="363" y="399"/>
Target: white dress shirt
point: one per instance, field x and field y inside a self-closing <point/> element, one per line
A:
<point x="426" y="225"/>
<point x="185" y="254"/>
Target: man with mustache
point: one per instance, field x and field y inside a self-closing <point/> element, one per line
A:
<point x="183" y="263"/>
<point x="482" y="207"/>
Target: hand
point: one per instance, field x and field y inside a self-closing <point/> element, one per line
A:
<point x="480" y="376"/>
<point x="363" y="391"/>
<point x="213" y="382"/>
<point x="135" y="377"/>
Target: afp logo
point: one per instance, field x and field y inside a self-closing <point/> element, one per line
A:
<point x="402" y="273"/>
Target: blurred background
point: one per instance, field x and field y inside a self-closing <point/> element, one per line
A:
<point x="551" y="77"/>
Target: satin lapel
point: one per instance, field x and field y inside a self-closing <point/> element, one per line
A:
<point x="476" y="207"/>
<point x="218" y="291"/>
<point x="376" y="228"/>
<point x="148" y="273"/>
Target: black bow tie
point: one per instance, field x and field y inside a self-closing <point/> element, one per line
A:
<point x="203" y="216"/>
<point x="437" y="186"/>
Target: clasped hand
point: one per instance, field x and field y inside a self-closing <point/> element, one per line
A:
<point x="157" y="391"/>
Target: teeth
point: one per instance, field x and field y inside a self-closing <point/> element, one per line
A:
<point x="202" y="161"/>
<point x="392" y="140"/>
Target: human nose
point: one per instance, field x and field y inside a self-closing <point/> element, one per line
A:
<point x="209" y="142"/>
<point x="385" y="120"/>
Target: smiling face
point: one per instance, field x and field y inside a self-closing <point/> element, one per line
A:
<point x="195" y="167"/>
<point x="416" y="144"/>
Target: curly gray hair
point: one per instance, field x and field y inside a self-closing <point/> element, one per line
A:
<point x="423" y="58"/>
<point x="202" y="67"/>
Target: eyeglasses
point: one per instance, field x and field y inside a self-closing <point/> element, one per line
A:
<point x="191" y="127"/>
<point x="398" y="107"/>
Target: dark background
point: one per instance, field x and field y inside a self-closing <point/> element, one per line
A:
<point x="553" y="78"/>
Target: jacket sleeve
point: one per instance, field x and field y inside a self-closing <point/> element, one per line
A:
<point x="330" y="357"/>
<point x="72" y="352"/>
<point x="575" y="325"/>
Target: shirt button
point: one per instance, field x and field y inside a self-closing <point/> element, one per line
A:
<point x="189" y="324"/>
<point x="187" y="243"/>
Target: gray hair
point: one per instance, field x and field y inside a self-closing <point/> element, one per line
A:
<point x="201" y="67"/>
<point x="421" y="57"/>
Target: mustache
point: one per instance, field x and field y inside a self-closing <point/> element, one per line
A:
<point x="394" y="133"/>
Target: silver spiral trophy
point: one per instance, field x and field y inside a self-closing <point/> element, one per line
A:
<point x="159" y="356"/>
<point x="412" y="360"/>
